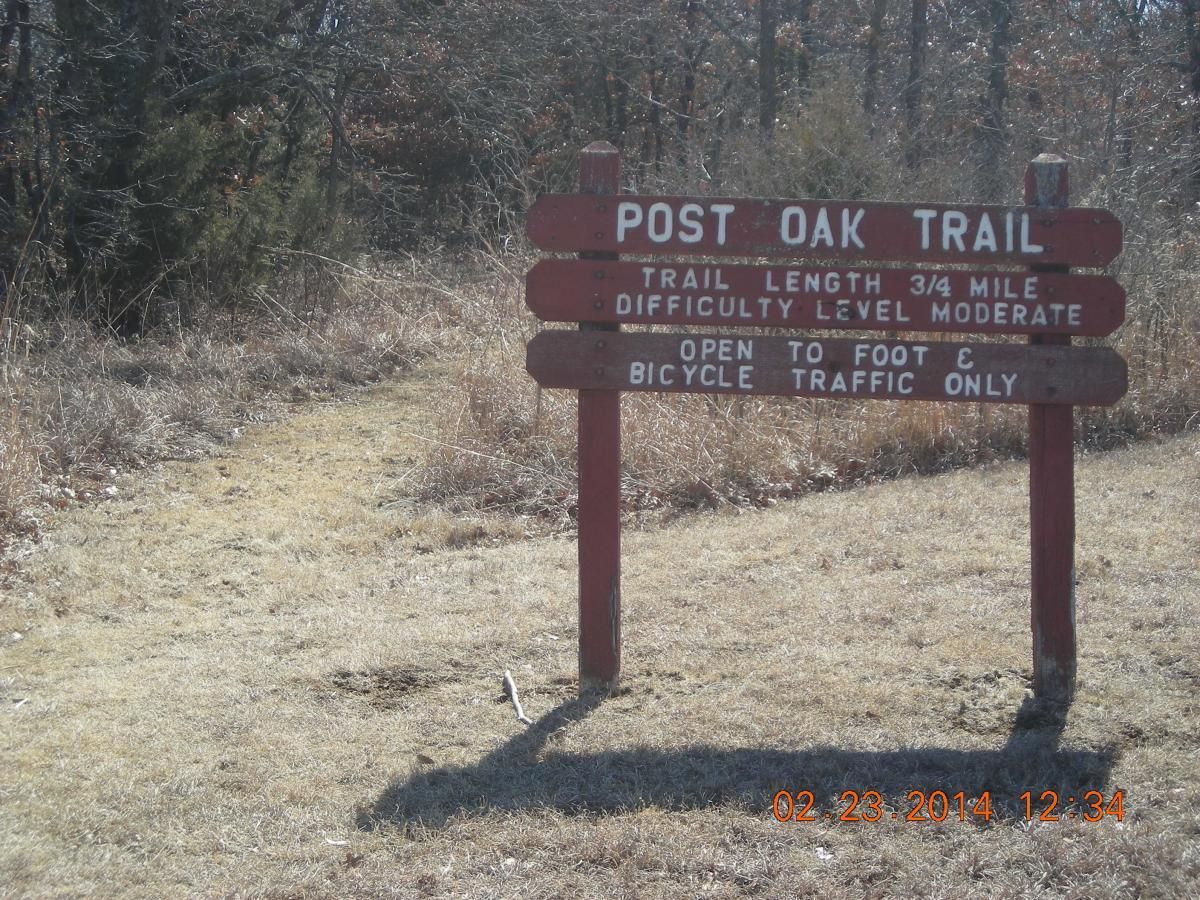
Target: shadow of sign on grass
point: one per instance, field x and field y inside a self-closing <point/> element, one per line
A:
<point x="518" y="776"/>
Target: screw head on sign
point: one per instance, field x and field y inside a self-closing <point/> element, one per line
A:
<point x="600" y="345"/>
<point x="599" y="235"/>
<point x="598" y="304"/>
<point x="599" y="371"/>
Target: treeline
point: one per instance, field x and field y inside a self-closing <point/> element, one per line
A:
<point x="167" y="157"/>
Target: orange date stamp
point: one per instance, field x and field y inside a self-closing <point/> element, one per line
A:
<point x="871" y="806"/>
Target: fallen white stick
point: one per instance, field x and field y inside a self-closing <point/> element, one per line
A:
<point x="510" y="688"/>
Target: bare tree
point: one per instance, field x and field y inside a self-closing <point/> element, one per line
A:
<point x="994" y="135"/>
<point x="1191" y="11"/>
<point x="874" y="39"/>
<point x="766" y="66"/>
<point x="918" y="36"/>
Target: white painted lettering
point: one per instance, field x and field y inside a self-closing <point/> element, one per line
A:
<point x="985" y="235"/>
<point x="925" y="216"/>
<point x="722" y="211"/>
<point x="822" y="233"/>
<point x="691" y="231"/>
<point x="954" y="226"/>
<point x="660" y="222"/>
<point x="629" y="215"/>
<point x="1028" y="246"/>
<point x="850" y="229"/>
<point x="793" y="226"/>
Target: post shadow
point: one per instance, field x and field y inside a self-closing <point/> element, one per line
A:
<point x="522" y="774"/>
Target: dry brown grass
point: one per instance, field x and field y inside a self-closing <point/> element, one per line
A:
<point x="79" y="406"/>
<point x="262" y="675"/>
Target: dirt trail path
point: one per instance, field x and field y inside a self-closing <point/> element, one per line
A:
<point x="199" y="534"/>
<point x="199" y="626"/>
<point x="251" y="676"/>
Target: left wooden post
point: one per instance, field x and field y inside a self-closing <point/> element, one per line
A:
<point x="599" y="476"/>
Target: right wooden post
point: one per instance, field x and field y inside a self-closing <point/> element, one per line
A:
<point x="1051" y="490"/>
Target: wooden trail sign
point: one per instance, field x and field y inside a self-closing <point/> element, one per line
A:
<point x="865" y="369"/>
<point x="1044" y="301"/>
<point x="824" y="229"/>
<point x="691" y="293"/>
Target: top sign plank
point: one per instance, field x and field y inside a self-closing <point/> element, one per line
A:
<point x="824" y="229"/>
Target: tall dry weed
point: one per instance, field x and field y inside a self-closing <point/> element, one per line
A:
<point x="20" y="448"/>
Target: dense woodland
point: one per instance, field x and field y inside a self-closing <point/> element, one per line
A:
<point x="163" y="157"/>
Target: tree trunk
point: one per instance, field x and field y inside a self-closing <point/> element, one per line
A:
<point x="622" y="113"/>
<point x="652" y="138"/>
<point x="766" y="66"/>
<point x="610" y="114"/>
<point x="994" y="131"/>
<point x="337" y="149"/>
<point x="800" y="12"/>
<point x="874" y="39"/>
<point x="1133" y="33"/>
<point x="1190" y="9"/>
<point x="685" y="110"/>
<point x="8" y="113"/>
<point x="918" y="33"/>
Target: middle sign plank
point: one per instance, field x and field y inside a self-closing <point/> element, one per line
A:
<point x="791" y="297"/>
<point x="837" y="368"/>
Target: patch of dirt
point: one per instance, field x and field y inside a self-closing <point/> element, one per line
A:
<point x="382" y="687"/>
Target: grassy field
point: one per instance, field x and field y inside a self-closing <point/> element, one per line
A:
<point x="274" y="674"/>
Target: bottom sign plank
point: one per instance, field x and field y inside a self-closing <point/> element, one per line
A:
<point x="839" y="368"/>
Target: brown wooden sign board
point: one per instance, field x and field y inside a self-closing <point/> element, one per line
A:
<point x="835" y="368"/>
<point x="1045" y="302"/>
<point x="695" y="293"/>
<point x="824" y="229"/>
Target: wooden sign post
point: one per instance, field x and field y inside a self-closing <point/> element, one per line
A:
<point x="1051" y="489"/>
<point x="1046" y="302"/>
<point x="599" y="474"/>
